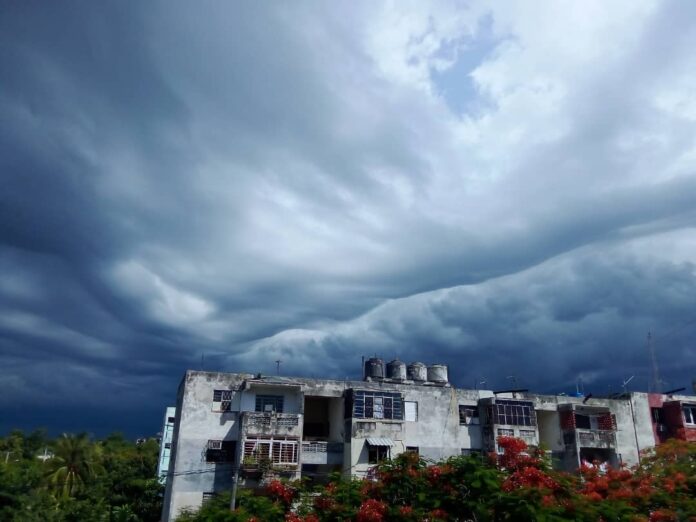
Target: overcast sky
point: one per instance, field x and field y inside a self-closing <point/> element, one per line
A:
<point x="506" y="188"/>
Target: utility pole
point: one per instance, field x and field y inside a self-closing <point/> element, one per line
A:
<point x="235" y="479"/>
<point x="278" y="366"/>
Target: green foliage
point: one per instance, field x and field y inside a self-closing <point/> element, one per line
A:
<point x="517" y="486"/>
<point x="111" y="480"/>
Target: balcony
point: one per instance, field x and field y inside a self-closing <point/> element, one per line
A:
<point x="595" y="438"/>
<point x="268" y="423"/>
<point x="320" y="452"/>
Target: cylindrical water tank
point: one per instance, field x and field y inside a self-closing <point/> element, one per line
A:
<point x="396" y="370"/>
<point x="417" y="371"/>
<point x="437" y="373"/>
<point x="374" y="368"/>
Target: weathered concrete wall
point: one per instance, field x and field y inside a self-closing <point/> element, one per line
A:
<point x="197" y="423"/>
<point x="550" y="435"/>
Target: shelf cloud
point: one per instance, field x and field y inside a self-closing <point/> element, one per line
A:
<point x="506" y="190"/>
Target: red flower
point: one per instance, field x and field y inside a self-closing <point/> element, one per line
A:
<point x="276" y="489"/>
<point x="438" y="514"/>
<point x="371" y="510"/>
<point x="663" y="515"/>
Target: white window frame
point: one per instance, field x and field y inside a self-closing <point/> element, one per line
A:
<point x="689" y="412"/>
<point x="276" y="450"/>
<point x="411" y="411"/>
<point x="224" y="404"/>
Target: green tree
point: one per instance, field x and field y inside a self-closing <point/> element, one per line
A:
<point x="74" y="462"/>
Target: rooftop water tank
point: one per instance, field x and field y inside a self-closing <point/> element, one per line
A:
<point x="437" y="373"/>
<point x="416" y="371"/>
<point x="396" y="370"/>
<point x="374" y="368"/>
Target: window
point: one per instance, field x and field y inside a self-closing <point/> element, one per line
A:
<point x="276" y="450"/>
<point x="376" y="454"/>
<point x="582" y="421"/>
<point x="167" y="445"/>
<point x="514" y="413"/>
<point x="604" y="421"/>
<point x="467" y="452"/>
<point x="377" y="405"/>
<point x="529" y="436"/>
<point x="689" y="413"/>
<point x="504" y="432"/>
<point x="411" y="411"/>
<point x="412" y="449"/>
<point x="468" y="414"/>
<point x="171" y="420"/>
<point x="658" y="415"/>
<point x="222" y="400"/>
<point x="220" y="451"/>
<point x="269" y="403"/>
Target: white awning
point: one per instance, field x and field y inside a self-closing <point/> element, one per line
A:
<point x="380" y="441"/>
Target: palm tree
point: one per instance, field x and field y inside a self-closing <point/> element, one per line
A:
<point x="73" y="464"/>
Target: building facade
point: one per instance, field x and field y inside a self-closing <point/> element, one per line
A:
<point x="166" y="444"/>
<point x="250" y="426"/>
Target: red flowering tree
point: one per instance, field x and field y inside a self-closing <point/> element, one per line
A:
<point x="517" y="485"/>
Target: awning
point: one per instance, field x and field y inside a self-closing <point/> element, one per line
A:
<point x="380" y="441"/>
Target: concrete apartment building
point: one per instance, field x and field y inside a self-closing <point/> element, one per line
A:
<point x="244" y="424"/>
<point x="165" y="452"/>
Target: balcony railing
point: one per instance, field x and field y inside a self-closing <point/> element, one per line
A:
<point x="271" y="423"/>
<point x="596" y="438"/>
<point x="321" y="452"/>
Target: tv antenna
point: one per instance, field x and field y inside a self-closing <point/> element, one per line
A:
<point x="625" y="383"/>
<point x="278" y="366"/>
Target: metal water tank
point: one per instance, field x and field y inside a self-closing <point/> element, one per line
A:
<point x="396" y="370"/>
<point x="437" y="373"/>
<point x="374" y="368"/>
<point x="416" y="371"/>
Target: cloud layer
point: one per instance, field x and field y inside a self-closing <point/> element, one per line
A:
<point x="506" y="190"/>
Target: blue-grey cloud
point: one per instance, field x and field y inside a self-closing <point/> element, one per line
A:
<point x="501" y="189"/>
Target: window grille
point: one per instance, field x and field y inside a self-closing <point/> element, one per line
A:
<point x="514" y="413"/>
<point x="278" y="451"/>
<point x="377" y="405"/>
<point x="269" y="403"/>
<point x="222" y="400"/>
<point x="529" y="436"/>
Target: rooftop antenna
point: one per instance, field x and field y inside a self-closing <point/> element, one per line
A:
<point x="514" y="380"/>
<point x="625" y="383"/>
<point x="278" y="366"/>
<point x="655" y="371"/>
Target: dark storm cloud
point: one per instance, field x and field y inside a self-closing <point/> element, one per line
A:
<point x="239" y="183"/>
